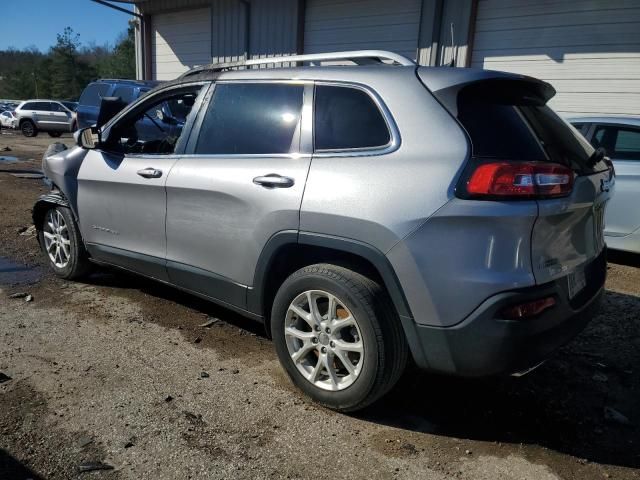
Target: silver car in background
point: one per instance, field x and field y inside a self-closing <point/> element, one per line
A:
<point x="620" y="138"/>
<point x="49" y="116"/>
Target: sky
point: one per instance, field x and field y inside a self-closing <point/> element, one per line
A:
<point x="28" y="23"/>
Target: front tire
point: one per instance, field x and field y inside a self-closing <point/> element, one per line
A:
<point x="28" y="128"/>
<point x="62" y="245"/>
<point x="338" y="337"/>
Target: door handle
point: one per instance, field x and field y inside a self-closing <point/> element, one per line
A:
<point x="273" y="180"/>
<point x="150" y="172"/>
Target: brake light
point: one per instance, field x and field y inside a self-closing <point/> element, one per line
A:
<point x="520" y="179"/>
<point x="528" y="309"/>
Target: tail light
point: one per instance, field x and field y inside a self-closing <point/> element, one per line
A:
<point x="520" y="180"/>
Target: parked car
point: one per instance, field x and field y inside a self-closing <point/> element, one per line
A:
<point x="44" y="116"/>
<point x="8" y="120"/>
<point x="126" y="90"/>
<point x="363" y="213"/>
<point x="620" y="138"/>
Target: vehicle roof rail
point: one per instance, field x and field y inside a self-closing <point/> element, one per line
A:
<point x="359" y="57"/>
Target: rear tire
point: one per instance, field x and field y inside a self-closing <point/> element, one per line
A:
<point x="62" y="245"/>
<point x="54" y="134"/>
<point x="364" y="330"/>
<point x="28" y="128"/>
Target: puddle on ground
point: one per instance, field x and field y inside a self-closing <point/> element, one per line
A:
<point x="12" y="273"/>
<point x="8" y="159"/>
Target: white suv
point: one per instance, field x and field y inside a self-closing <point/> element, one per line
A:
<point x="44" y="116"/>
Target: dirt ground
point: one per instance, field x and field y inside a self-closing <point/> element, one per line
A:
<point x="119" y="370"/>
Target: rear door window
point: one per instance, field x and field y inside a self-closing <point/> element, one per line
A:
<point x="347" y="118"/>
<point x="93" y="94"/>
<point x="619" y="142"/>
<point x="249" y="119"/>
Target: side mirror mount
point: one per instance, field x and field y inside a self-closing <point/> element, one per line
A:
<point x="87" y="138"/>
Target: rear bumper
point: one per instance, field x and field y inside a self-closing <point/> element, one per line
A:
<point x="483" y="344"/>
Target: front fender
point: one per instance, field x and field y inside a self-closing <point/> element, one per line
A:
<point x="44" y="203"/>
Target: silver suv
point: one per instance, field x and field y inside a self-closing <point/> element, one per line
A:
<point x="48" y="116"/>
<point x="366" y="214"/>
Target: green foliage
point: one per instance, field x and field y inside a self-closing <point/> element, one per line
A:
<point x="65" y="70"/>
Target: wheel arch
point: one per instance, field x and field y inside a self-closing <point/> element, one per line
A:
<point x="45" y="202"/>
<point x="288" y="251"/>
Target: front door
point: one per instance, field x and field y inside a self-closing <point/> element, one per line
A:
<point x="121" y="186"/>
<point x="240" y="182"/>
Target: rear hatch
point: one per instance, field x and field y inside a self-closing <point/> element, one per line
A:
<point x="509" y="124"/>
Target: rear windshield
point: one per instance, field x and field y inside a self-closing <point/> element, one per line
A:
<point x="93" y="94"/>
<point x="507" y="121"/>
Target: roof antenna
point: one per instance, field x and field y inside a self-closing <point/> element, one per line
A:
<point x="454" y="50"/>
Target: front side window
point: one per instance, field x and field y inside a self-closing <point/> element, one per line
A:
<point x="620" y="143"/>
<point x="153" y="131"/>
<point x="251" y="118"/>
<point x="347" y="118"/>
<point x="93" y="94"/>
<point x="56" y="107"/>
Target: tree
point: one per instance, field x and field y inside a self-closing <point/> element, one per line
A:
<point x="122" y="61"/>
<point x="69" y="74"/>
<point x="66" y="69"/>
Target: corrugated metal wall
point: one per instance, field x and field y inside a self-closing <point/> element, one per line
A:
<point x="274" y="28"/>
<point x="179" y="41"/>
<point x="229" y="31"/>
<point x="589" y="50"/>
<point x="338" y="25"/>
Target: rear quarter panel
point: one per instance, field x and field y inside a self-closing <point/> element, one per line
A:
<point x="380" y="199"/>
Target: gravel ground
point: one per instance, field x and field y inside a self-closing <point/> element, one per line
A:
<point x="118" y="371"/>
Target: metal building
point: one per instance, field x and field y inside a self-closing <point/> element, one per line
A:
<point x="588" y="49"/>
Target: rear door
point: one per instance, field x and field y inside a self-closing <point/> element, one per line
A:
<point x="60" y="117"/>
<point x="240" y="182"/>
<point x="622" y="144"/>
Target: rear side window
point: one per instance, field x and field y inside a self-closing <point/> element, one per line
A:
<point x="248" y="119"/>
<point x="28" y="106"/>
<point x="347" y="118"/>
<point x="125" y="94"/>
<point x="93" y="94"/>
<point x="509" y="121"/>
<point x="621" y="143"/>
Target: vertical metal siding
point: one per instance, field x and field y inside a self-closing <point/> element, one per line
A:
<point x="228" y="42"/>
<point x="274" y="25"/>
<point x="335" y="25"/>
<point x="588" y="50"/>
<point x="179" y="41"/>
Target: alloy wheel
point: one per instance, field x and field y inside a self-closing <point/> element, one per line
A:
<point x="324" y="340"/>
<point x="56" y="239"/>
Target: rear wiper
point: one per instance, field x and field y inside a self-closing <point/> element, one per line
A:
<point x="596" y="156"/>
